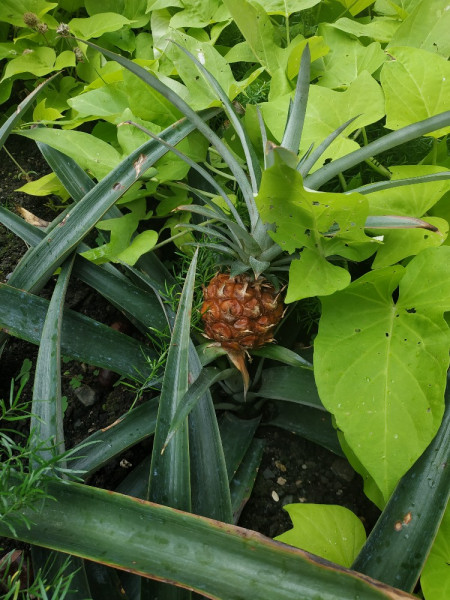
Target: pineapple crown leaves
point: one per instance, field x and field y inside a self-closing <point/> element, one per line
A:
<point x="287" y="152"/>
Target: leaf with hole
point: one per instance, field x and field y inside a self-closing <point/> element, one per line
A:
<point x="381" y="364"/>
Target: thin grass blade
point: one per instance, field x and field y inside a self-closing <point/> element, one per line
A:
<point x="294" y="126"/>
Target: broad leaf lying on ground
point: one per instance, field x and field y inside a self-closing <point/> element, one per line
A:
<point x="391" y="404"/>
<point x="332" y="532"/>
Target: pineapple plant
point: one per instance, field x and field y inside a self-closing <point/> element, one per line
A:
<point x="243" y="302"/>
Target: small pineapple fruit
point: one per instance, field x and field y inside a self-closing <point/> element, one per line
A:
<point x="241" y="312"/>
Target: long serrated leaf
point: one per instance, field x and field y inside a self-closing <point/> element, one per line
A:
<point x="196" y="390"/>
<point x="308" y="422"/>
<point x="203" y="172"/>
<point x="46" y="424"/>
<point x="291" y="384"/>
<point x="296" y="118"/>
<point x="397" y="222"/>
<point x="388" y="141"/>
<point x="170" y="470"/>
<point x="10" y="123"/>
<point x="186" y="110"/>
<point x="284" y="355"/>
<point x="143" y="309"/>
<point x="194" y="552"/>
<point x="398" y="546"/>
<point x="310" y="159"/>
<point x="249" y="152"/>
<point x="208" y="470"/>
<point x="37" y="266"/>
<point x="387" y="185"/>
<point x="82" y="338"/>
<point x="237" y="435"/>
<point x="130" y="429"/>
<point x="242" y="483"/>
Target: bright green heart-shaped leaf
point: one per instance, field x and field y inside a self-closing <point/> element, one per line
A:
<point x="42" y="113"/>
<point x="39" y="61"/>
<point x="102" y="102"/>
<point x="312" y="275"/>
<point x="198" y="14"/>
<point x="354" y="7"/>
<point x="44" y="186"/>
<point x="318" y="220"/>
<point x="401" y="243"/>
<point x="326" y="111"/>
<point x="435" y="578"/>
<point x="381" y="364"/>
<point x="141" y="244"/>
<point x="121" y="231"/>
<point x="97" y="25"/>
<point x="286" y="7"/>
<point x="409" y="200"/>
<point x="332" y="532"/>
<point x="426" y="27"/>
<point x="12" y="11"/>
<point x="317" y="48"/>
<point x="347" y="58"/>
<point x="91" y="153"/>
<point x="381" y="29"/>
<point x="416" y="84"/>
<point x="256" y="26"/>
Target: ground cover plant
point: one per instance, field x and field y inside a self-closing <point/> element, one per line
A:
<point x="275" y="190"/>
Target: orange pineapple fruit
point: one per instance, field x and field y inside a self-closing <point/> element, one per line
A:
<point x="240" y="313"/>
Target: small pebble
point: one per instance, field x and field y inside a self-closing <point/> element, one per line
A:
<point x="279" y="465"/>
<point x="85" y="395"/>
<point x="125" y="464"/>
<point x="304" y="466"/>
<point x="281" y="480"/>
<point x="275" y="496"/>
<point x="288" y="499"/>
<point x="342" y="469"/>
<point x="268" y="474"/>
